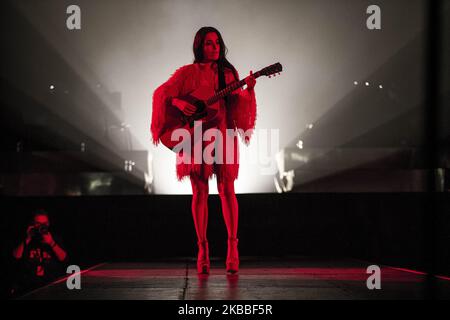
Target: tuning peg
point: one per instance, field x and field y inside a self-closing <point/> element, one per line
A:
<point x="270" y="76"/>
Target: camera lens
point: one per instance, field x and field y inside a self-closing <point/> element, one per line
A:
<point x="43" y="229"/>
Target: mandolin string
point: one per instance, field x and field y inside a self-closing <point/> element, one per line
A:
<point x="228" y="89"/>
<point x="222" y="93"/>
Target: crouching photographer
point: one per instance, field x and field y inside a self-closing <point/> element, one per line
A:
<point x="40" y="257"/>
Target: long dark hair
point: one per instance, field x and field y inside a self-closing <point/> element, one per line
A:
<point x="199" y="40"/>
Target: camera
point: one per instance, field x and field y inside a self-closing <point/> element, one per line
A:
<point x="38" y="231"/>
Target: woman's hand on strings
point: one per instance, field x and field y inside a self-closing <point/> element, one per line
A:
<point x="187" y="108"/>
<point x="250" y="81"/>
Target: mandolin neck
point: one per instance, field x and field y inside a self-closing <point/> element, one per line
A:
<point x="229" y="89"/>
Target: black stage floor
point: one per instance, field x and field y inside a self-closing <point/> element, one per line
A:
<point x="289" y="278"/>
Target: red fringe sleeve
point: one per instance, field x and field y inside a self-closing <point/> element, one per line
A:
<point x="161" y="99"/>
<point x="242" y="113"/>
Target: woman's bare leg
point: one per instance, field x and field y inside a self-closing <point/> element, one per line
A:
<point x="230" y="215"/>
<point x="229" y="206"/>
<point x="200" y="192"/>
<point x="200" y="214"/>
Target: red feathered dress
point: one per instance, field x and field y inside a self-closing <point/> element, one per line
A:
<point x="240" y="113"/>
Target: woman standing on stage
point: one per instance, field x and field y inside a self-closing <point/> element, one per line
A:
<point x="237" y="111"/>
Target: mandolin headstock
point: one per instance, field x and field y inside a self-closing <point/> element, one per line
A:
<point x="270" y="70"/>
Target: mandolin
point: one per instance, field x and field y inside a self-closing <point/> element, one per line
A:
<point x="206" y="100"/>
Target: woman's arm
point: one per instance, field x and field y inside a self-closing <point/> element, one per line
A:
<point x="242" y="112"/>
<point x="162" y="97"/>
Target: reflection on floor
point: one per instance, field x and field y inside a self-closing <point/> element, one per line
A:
<point x="258" y="278"/>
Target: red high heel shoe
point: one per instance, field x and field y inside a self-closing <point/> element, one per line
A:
<point x="232" y="263"/>
<point x="203" y="263"/>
